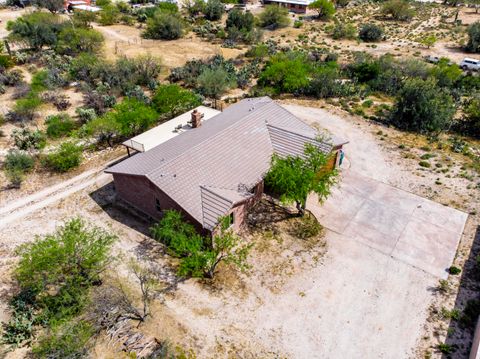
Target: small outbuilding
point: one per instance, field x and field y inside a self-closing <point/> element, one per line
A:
<point x="296" y="6"/>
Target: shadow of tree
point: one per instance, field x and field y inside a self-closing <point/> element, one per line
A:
<point x="266" y="212"/>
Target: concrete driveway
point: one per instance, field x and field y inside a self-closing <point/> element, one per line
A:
<point x="409" y="228"/>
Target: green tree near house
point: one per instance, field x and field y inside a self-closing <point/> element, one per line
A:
<point x="200" y="256"/>
<point x="172" y="100"/>
<point x="293" y="178"/>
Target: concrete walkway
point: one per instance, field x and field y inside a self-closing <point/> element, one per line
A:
<point x="409" y="228"/>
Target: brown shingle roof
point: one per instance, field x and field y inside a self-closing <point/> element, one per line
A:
<point x="223" y="158"/>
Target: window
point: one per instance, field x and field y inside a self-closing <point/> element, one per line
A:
<point x="157" y="204"/>
<point x="231" y="219"/>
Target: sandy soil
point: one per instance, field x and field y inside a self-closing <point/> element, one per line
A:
<point x="5" y="16"/>
<point x="126" y="40"/>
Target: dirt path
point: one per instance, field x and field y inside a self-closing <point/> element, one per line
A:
<point x="17" y="209"/>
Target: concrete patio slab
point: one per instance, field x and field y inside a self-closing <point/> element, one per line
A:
<point x="412" y="229"/>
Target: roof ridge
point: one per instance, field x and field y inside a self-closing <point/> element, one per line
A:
<point x="241" y="120"/>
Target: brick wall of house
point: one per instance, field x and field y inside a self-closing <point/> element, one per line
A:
<point x="240" y="212"/>
<point x="140" y="193"/>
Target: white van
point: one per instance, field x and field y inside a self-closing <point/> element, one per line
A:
<point x="470" y="64"/>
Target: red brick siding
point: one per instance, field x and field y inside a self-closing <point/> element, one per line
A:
<point x="140" y="193"/>
<point x="240" y="212"/>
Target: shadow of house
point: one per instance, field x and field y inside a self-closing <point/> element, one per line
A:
<point x="105" y="197"/>
<point x="461" y="332"/>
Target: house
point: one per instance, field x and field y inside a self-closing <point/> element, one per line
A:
<point x="296" y="6"/>
<point x="216" y="168"/>
<point x="80" y="5"/>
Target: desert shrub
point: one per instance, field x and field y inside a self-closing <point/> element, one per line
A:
<point x="240" y="25"/>
<point x="64" y="158"/>
<point x="69" y="340"/>
<point x="109" y="15"/>
<point x="132" y="116"/>
<point x="16" y="165"/>
<point x="24" y="109"/>
<point x="138" y="93"/>
<point x="18" y="161"/>
<point x="179" y="236"/>
<point x="306" y="227"/>
<point x="473" y="44"/>
<point x="447" y="75"/>
<point x="100" y="100"/>
<point x="422" y="106"/>
<point x="103" y="3"/>
<point x="385" y="74"/>
<point x="84" y="68"/>
<point x="324" y="8"/>
<point x="454" y="270"/>
<point x="59" y="100"/>
<point x="472" y="116"/>
<point x="398" y="10"/>
<point x="241" y="20"/>
<point x="427" y="40"/>
<point x="146" y="68"/>
<point x="214" y="10"/>
<point x="194" y="7"/>
<point x="6" y="61"/>
<point x="164" y="26"/>
<point x="120" y="76"/>
<point x="213" y="82"/>
<point x="274" y="17"/>
<point x="370" y="32"/>
<point x="59" y="125"/>
<point x="51" y="5"/>
<point x="26" y="139"/>
<point x="86" y="114"/>
<point x="11" y="78"/>
<point x="262" y="50"/>
<point x="286" y="72"/>
<point x="326" y="82"/>
<point x="344" y="31"/>
<point x="35" y="30"/>
<point x="200" y="256"/>
<point x="73" y="41"/>
<point x="193" y="69"/>
<point x="57" y="270"/>
<point x="20" y="328"/>
<point x="172" y="100"/>
<point x="364" y="69"/>
<point x="83" y="18"/>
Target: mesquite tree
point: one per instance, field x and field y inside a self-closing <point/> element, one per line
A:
<point x="293" y="178"/>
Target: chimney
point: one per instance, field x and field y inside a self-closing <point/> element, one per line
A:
<point x="196" y="118"/>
